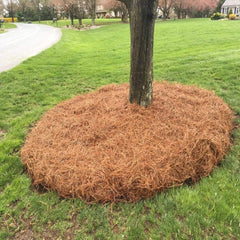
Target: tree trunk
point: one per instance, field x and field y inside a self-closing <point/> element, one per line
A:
<point x="80" y="12"/>
<point x="165" y="8"/>
<point x="39" y="18"/>
<point x="178" y="14"/>
<point x="80" y="21"/>
<point x="124" y="16"/>
<point x="12" y="11"/>
<point x="72" y="19"/>
<point x="93" y="21"/>
<point x="165" y="15"/>
<point x="178" y="10"/>
<point x="142" y="20"/>
<point x="93" y="12"/>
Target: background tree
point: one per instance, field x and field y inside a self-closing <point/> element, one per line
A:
<point x="219" y="5"/>
<point x="80" y="10"/>
<point x="36" y="4"/>
<point x="11" y="7"/>
<point x="46" y="12"/>
<point x="180" y="8"/>
<point x="194" y="8"/>
<point x="91" y="7"/>
<point x="202" y="8"/>
<point x="70" y="7"/>
<point x="22" y="8"/>
<point x="116" y="6"/>
<point x="166" y="6"/>
<point x="73" y="9"/>
<point x="30" y="10"/>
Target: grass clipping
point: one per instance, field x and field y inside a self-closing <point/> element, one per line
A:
<point x="100" y="148"/>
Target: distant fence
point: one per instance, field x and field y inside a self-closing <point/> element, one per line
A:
<point x="10" y="19"/>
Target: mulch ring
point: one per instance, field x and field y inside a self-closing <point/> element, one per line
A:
<point x="100" y="148"/>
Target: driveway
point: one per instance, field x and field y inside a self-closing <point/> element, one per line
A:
<point x="25" y="41"/>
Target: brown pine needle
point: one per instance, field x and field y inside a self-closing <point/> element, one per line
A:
<point x="99" y="148"/>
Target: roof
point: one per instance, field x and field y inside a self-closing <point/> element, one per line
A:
<point x="231" y="3"/>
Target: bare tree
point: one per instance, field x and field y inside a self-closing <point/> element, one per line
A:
<point x="69" y="6"/>
<point x="124" y="13"/>
<point x="180" y="8"/>
<point x="187" y="7"/>
<point x="80" y="10"/>
<point x="22" y="6"/>
<point x="36" y="4"/>
<point x="142" y="21"/>
<point x="166" y="6"/>
<point x="91" y="7"/>
<point x="116" y="7"/>
<point x="11" y="7"/>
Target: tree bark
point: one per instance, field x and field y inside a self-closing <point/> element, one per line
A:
<point x="93" y="12"/>
<point x="80" y="21"/>
<point x="38" y="10"/>
<point x="124" y="16"/>
<point x="142" y="20"/>
<point x="72" y="19"/>
<point x="165" y="15"/>
<point x="165" y="8"/>
<point x="80" y="11"/>
<point x="12" y="11"/>
<point x="93" y="21"/>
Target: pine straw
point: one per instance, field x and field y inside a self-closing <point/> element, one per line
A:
<point x="100" y="148"/>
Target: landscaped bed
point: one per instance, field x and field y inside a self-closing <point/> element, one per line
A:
<point x="100" y="148"/>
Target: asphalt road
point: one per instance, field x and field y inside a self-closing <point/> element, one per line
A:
<point x="25" y="41"/>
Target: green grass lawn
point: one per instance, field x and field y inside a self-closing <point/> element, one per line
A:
<point x="7" y="26"/>
<point x="98" y="21"/>
<point x="201" y="52"/>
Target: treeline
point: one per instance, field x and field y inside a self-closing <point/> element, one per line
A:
<point x="37" y="10"/>
<point x="29" y="10"/>
<point x="190" y="8"/>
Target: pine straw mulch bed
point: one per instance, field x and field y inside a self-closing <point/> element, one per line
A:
<point x="100" y="148"/>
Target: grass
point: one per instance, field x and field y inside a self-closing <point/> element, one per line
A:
<point x="98" y="21"/>
<point x="199" y="51"/>
<point x="7" y="26"/>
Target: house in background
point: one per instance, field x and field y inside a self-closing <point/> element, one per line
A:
<point x="100" y="11"/>
<point x="231" y="4"/>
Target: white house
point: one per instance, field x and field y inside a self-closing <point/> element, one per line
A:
<point x="101" y="11"/>
<point x="231" y="4"/>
